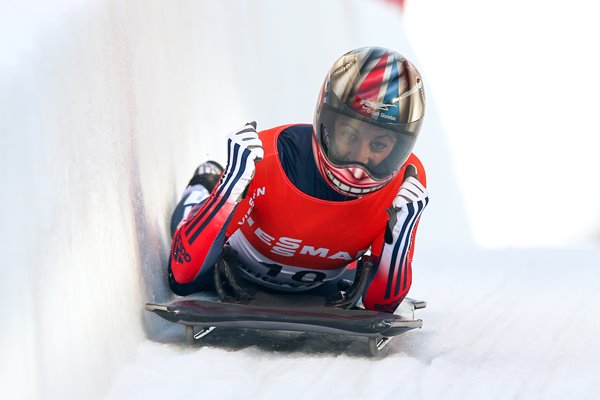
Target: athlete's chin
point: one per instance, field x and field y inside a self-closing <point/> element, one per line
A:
<point x="364" y="182"/>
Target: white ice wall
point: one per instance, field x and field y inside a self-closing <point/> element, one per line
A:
<point x="105" y="109"/>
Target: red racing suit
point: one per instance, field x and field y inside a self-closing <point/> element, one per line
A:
<point x="290" y="241"/>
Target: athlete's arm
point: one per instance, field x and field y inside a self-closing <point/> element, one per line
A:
<point x="393" y="275"/>
<point x="198" y="241"/>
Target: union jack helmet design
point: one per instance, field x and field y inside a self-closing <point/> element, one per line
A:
<point x="367" y="120"/>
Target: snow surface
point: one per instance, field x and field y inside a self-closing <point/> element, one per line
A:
<point x="106" y="107"/>
<point x="498" y="325"/>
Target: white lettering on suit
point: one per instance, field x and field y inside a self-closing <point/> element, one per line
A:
<point x="260" y="268"/>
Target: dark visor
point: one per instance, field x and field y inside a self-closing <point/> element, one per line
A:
<point x="379" y="149"/>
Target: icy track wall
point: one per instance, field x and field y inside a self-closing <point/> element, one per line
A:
<point x="105" y="109"/>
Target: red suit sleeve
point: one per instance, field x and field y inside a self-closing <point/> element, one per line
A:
<point x="198" y="241"/>
<point x="392" y="276"/>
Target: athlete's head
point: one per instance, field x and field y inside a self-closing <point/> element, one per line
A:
<point x="367" y="120"/>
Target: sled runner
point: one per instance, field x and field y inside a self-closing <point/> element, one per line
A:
<point x="200" y="317"/>
<point x="297" y="312"/>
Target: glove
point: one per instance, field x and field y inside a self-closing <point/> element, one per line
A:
<point x="247" y="138"/>
<point x="411" y="191"/>
<point x="244" y="149"/>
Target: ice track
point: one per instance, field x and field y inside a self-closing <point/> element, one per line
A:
<point x="106" y="107"/>
<point x="499" y="325"/>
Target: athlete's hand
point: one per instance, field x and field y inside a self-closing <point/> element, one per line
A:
<point x="411" y="190"/>
<point x="244" y="149"/>
<point x="247" y="139"/>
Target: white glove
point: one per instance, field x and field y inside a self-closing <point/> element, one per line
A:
<point x="411" y="190"/>
<point x="247" y="138"/>
<point x="244" y="149"/>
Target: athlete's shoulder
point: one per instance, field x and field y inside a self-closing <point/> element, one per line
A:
<point x="294" y="134"/>
<point x="414" y="160"/>
<point x="275" y="131"/>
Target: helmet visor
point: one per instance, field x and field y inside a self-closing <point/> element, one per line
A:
<point x="348" y="141"/>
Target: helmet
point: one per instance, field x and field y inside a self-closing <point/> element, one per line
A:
<point x="368" y="116"/>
